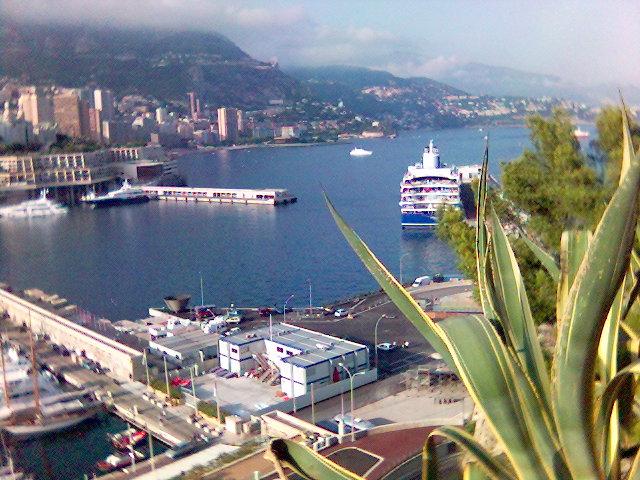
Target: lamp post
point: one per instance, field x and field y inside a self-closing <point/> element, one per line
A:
<point x="310" y="304"/>
<point x="401" y="257"/>
<point x="284" y="309"/>
<point x="375" y="337"/>
<point x="353" y="417"/>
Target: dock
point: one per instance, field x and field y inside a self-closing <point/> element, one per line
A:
<point x="268" y="196"/>
<point x="131" y="401"/>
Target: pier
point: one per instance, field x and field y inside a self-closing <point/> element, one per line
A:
<point x="269" y="196"/>
<point x="130" y="401"/>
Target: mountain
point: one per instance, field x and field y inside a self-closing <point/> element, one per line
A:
<point x="481" y="79"/>
<point x="374" y="93"/>
<point x="162" y="64"/>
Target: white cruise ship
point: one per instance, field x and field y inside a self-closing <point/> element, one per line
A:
<point x="426" y="187"/>
<point x="40" y="207"/>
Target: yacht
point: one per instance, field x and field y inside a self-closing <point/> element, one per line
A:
<point x="39" y="207"/>
<point x="360" y="152"/>
<point x="125" y="195"/>
<point x="426" y="187"/>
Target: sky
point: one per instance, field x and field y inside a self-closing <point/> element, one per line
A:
<point x="585" y="42"/>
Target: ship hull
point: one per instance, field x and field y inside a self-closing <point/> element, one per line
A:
<point x="111" y="202"/>
<point x="36" y="430"/>
<point x="419" y="220"/>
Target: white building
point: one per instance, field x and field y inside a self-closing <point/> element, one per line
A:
<point x="302" y="357"/>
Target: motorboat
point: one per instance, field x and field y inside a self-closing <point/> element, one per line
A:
<point x="360" y="152"/>
<point x="116" y="461"/>
<point x="40" y="207"/>
<point x="125" y="195"/>
<point x="128" y="438"/>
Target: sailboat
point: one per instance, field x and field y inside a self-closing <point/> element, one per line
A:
<point x="49" y="415"/>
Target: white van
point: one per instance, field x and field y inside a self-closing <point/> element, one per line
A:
<point x="421" y="281"/>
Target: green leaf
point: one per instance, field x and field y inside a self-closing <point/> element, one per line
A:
<point x="482" y="240"/>
<point x="573" y="247"/>
<point x="590" y="298"/>
<point x="512" y="306"/>
<point x="489" y="464"/>
<point x="545" y="258"/>
<point x="503" y="393"/>
<point x="403" y="300"/>
<point x="306" y="462"/>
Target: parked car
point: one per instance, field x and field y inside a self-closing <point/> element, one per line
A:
<point x="341" y="312"/>
<point x="357" y="423"/>
<point x="438" y="278"/>
<point x="420" y="281"/>
<point x="234" y="330"/>
<point x="264" y="311"/>
<point x="386" y="347"/>
<point x="281" y="310"/>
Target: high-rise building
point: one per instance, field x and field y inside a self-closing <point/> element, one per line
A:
<point x="240" y="115"/>
<point x="103" y="102"/>
<point x="161" y="115"/>
<point x="193" y="104"/>
<point x="228" y="123"/>
<point x="71" y="114"/>
<point x="36" y="106"/>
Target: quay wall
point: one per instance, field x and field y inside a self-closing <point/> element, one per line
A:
<point x="124" y="362"/>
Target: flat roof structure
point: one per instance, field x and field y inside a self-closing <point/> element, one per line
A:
<point x="186" y="342"/>
<point x="316" y="347"/>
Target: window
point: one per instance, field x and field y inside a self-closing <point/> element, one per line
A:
<point x="234" y="350"/>
<point x="280" y="349"/>
<point x="289" y="352"/>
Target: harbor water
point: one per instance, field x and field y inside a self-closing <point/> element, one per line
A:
<point x="117" y="262"/>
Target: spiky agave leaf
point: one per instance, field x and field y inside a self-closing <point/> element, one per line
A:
<point x="545" y="258"/>
<point x="397" y="293"/>
<point x="306" y="462"/>
<point x="573" y="247"/>
<point x="504" y="395"/>
<point x="601" y="274"/>
<point x="490" y="465"/>
<point x="512" y="305"/>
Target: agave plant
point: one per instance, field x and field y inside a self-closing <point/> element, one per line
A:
<point x="560" y="423"/>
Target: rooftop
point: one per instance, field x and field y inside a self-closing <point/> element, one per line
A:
<point x="316" y="347"/>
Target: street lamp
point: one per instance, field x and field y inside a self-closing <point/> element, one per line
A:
<point x="404" y="255"/>
<point x="375" y="337"/>
<point x="310" y="307"/>
<point x="284" y="309"/>
<point x="353" y="417"/>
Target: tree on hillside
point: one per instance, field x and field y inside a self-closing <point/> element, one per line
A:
<point x="553" y="184"/>
<point x="608" y="146"/>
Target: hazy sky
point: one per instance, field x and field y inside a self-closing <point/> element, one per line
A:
<point x="582" y="41"/>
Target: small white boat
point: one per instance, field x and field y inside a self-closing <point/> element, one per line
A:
<point x="40" y="207"/>
<point x="579" y="133"/>
<point x="360" y="152"/>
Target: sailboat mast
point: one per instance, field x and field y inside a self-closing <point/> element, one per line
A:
<point x="36" y="391"/>
<point x="4" y="373"/>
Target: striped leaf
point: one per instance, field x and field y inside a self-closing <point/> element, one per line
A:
<point x="403" y="300"/>
<point x="590" y="298"/>
<point x="503" y="393"/>
<point x="573" y="247"/>
<point x="545" y="258"/>
<point x="491" y="466"/>
<point x="512" y="306"/>
<point x="306" y="462"/>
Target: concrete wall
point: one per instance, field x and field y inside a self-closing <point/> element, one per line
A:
<point x="124" y="362"/>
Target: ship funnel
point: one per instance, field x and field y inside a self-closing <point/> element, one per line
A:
<point x="430" y="157"/>
<point x="177" y="303"/>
